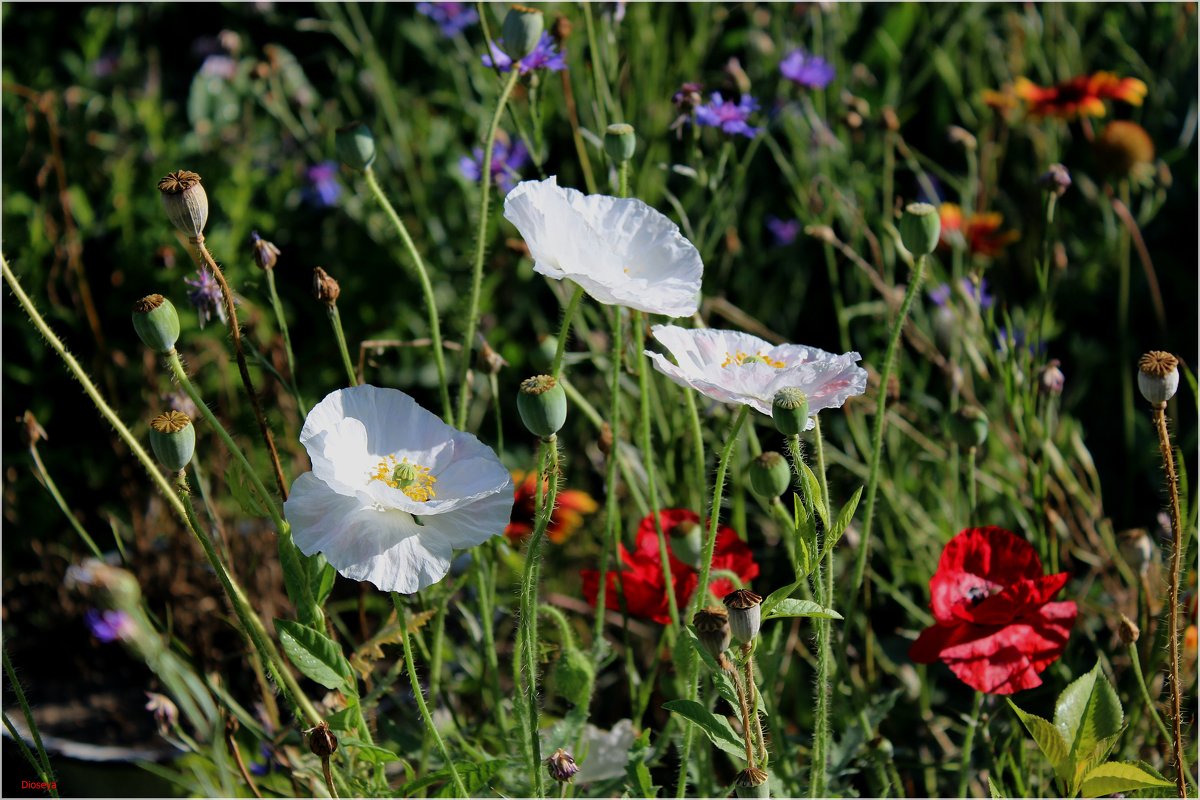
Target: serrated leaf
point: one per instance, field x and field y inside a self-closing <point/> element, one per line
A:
<point x="244" y="491"/>
<point x="791" y="607"/>
<point x="371" y="752"/>
<point x="994" y="790"/>
<point x="316" y="656"/>
<point x="842" y="523"/>
<point x="776" y="596"/>
<point x="1048" y="738"/>
<point x="812" y="489"/>
<point x="1087" y="712"/>
<point x="1120" y="776"/>
<point x="1086" y="762"/>
<point x="717" y="729"/>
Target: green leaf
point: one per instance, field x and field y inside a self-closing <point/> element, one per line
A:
<point x="475" y="777"/>
<point x="1086" y="762"/>
<point x="1121" y="776"/>
<point x="636" y="770"/>
<point x="371" y="752"/>
<point x="316" y="656"/>
<point x="994" y="790"/>
<point x="887" y="47"/>
<point x="1087" y="712"/>
<point x="843" y="521"/>
<point x="244" y="491"/>
<point x="812" y="488"/>
<point x="774" y="598"/>
<point x="345" y="719"/>
<point x="1048" y="739"/>
<point x="791" y="607"/>
<point x="717" y="729"/>
<point x="323" y="581"/>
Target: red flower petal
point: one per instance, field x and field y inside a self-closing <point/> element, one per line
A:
<point x="977" y="563"/>
<point x="1008" y="659"/>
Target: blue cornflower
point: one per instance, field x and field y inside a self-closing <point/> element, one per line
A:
<point x="325" y="189"/>
<point x="451" y="18"/>
<point x="941" y="294"/>
<point x="109" y="626"/>
<point x="544" y="56"/>
<point x="507" y="161"/>
<point x="807" y="70"/>
<point x="729" y="117"/>
<point x="267" y="753"/>
<point x="205" y="296"/>
<point x="784" y="231"/>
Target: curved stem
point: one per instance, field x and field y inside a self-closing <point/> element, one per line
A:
<point x="281" y="319"/>
<point x="480" y="246"/>
<point x="62" y="504"/>
<point x="335" y="319"/>
<point x="48" y="771"/>
<point x="564" y="332"/>
<point x="435" y="327"/>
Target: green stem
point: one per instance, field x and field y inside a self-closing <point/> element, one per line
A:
<point x="817" y="779"/>
<point x="1151" y="708"/>
<point x="880" y="417"/>
<point x="25" y="751"/>
<point x="494" y="387"/>
<point x="335" y="319"/>
<point x="612" y="518"/>
<point x="281" y="319"/>
<point x="971" y="487"/>
<point x="47" y="771"/>
<point x="964" y="773"/>
<point x="564" y="332"/>
<point x="62" y="504"/>
<point x="623" y="178"/>
<point x="419" y="695"/>
<point x="485" y="189"/>
<point x="484" y="589"/>
<point x="435" y="327"/>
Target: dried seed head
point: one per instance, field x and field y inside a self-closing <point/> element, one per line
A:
<point x="265" y="253"/>
<point x="561" y="765"/>
<point x="321" y="740"/>
<point x="1158" y="376"/>
<point x="752" y="782"/>
<point x="325" y="288"/>
<point x="1128" y="631"/>
<point x="185" y="201"/>
<point x="712" y="629"/>
<point x="745" y="614"/>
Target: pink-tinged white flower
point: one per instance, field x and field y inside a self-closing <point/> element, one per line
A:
<point x="735" y="367"/>
<point x="394" y="491"/>
<point x="621" y="251"/>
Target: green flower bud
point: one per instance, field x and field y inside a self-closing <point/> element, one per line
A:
<point x="770" y="475"/>
<point x="185" y="201"/>
<point x="173" y="439"/>
<point x="574" y="675"/>
<point x="355" y="146"/>
<point x="620" y="142"/>
<point x="789" y="410"/>
<point x="156" y="323"/>
<point x="1158" y="376"/>
<point x="543" y="405"/>
<point x="920" y="228"/>
<point x="521" y="31"/>
<point x="745" y="614"/>
<point x="752" y="782"/>
<point x="969" y="427"/>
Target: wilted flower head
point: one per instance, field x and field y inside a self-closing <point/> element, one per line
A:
<point x="166" y="714"/>
<point x="451" y="18"/>
<point x="730" y="117"/>
<point x="265" y="253"/>
<point x="561" y="766"/>
<point x="807" y="70"/>
<point x="507" y="162"/>
<point x="323" y="190"/>
<point x="110" y="625"/>
<point x="620" y="250"/>
<point x="783" y="231"/>
<point x="1079" y="97"/>
<point x="545" y="55"/>
<point x="205" y="296"/>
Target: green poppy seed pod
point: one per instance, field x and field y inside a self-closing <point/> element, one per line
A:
<point x="745" y="614"/>
<point x="920" y="228"/>
<point x="521" y="31"/>
<point x="687" y="542"/>
<point x="620" y="142"/>
<point x="789" y="411"/>
<point x="173" y="439"/>
<point x="355" y="146"/>
<point x="969" y="427"/>
<point x="752" y="782"/>
<point x="1158" y="376"/>
<point x="770" y="475"/>
<point x="543" y="405"/>
<point x="712" y="630"/>
<point x="156" y="322"/>
<point x="185" y="201"/>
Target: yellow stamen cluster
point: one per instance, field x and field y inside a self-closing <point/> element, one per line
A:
<point x="412" y="479"/>
<point x="741" y="359"/>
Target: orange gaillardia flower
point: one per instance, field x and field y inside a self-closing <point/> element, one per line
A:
<point x="980" y="232"/>
<point x="567" y="516"/>
<point x="1083" y="96"/>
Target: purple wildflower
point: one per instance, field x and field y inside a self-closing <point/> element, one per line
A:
<point x="267" y="753"/>
<point x="784" y="231"/>
<point x="105" y="65"/>
<point x="217" y="66"/>
<point x="940" y="295"/>
<point x="507" y="161"/>
<point x="544" y="56"/>
<point x="451" y="18"/>
<point x="206" y="296"/>
<point x="325" y="189"/>
<point x="109" y="626"/>
<point x="730" y="118"/>
<point x="807" y="70"/>
<point x="978" y="293"/>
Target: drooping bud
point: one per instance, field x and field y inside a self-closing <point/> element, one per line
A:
<point x="687" y="542"/>
<point x="325" y="289"/>
<point x="542" y="403"/>
<point x="712" y="630"/>
<point x="620" y="142"/>
<point x="355" y="146"/>
<point x="521" y="31"/>
<point x="1128" y="631"/>
<point x="789" y="411"/>
<point x="561" y="766"/>
<point x="920" y="227"/>
<point x="1158" y="376"/>
<point x="265" y="253"/>
<point x="487" y="359"/>
<point x="745" y="614"/>
<point x="156" y="322"/>
<point x="1051" y="378"/>
<point x="185" y="201"/>
<point x="321" y="740"/>
<point x="969" y="427"/>
<point x="173" y="439"/>
<point x="770" y="475"/>
<point x="752" y="782"/>
<point x="1055" y="180"/>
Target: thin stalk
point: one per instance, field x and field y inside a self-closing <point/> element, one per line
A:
<point x="752" y="701"/>
<point x="824" y="581"/>
<point x="281" y="320"/>
<point x="485" y="189"/>
<point x="232" y="746"/>
<point x="62" y="504"/>
<point x="419" y="695"/>
<point x="564" y="332"/>
<point x="971" y="484"/>
<point x="335" y="320"/>
<point x="435" y="327"/>
<point x="612" y="515"/>
<point x="1151" y="707"/>
<point x="47" y="770"/>
<point x="964" y="768"/>
<point x="25" y="751"/>
<point x="483" y="589"/>
<point x="880" y="417"/>
<point x="697" y="433"/>
<point x="742" y="692"/>
<point x="1123" y="281"/>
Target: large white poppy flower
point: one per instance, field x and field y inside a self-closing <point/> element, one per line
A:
<point x="621" y="251"/>
<point x="393" y="490"/>
<point x="735" y="367"/>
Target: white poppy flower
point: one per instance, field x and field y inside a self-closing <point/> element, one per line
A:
<point x="621" y="251"/>
<point x="393" y="490"/>
<point x="735" y="367"/>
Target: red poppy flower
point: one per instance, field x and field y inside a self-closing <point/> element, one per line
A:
<point x="642" y="580"/>
<point x="566" y="517"/>
<point x="1079" y="97"/>
<point x="980" y="232"/>
<point x="996" y="629"/>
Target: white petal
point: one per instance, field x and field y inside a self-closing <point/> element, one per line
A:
<point x="472" y="524"/>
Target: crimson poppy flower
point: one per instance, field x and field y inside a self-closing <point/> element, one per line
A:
<point x="642" y="580"/>
<point x="1079" y="97"/>
<point x="996" y="627"/>
<point x="564" y="520"/>
<point x="980" y="232"/>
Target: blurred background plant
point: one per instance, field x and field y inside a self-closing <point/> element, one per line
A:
<point x="1037" y="322"/>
